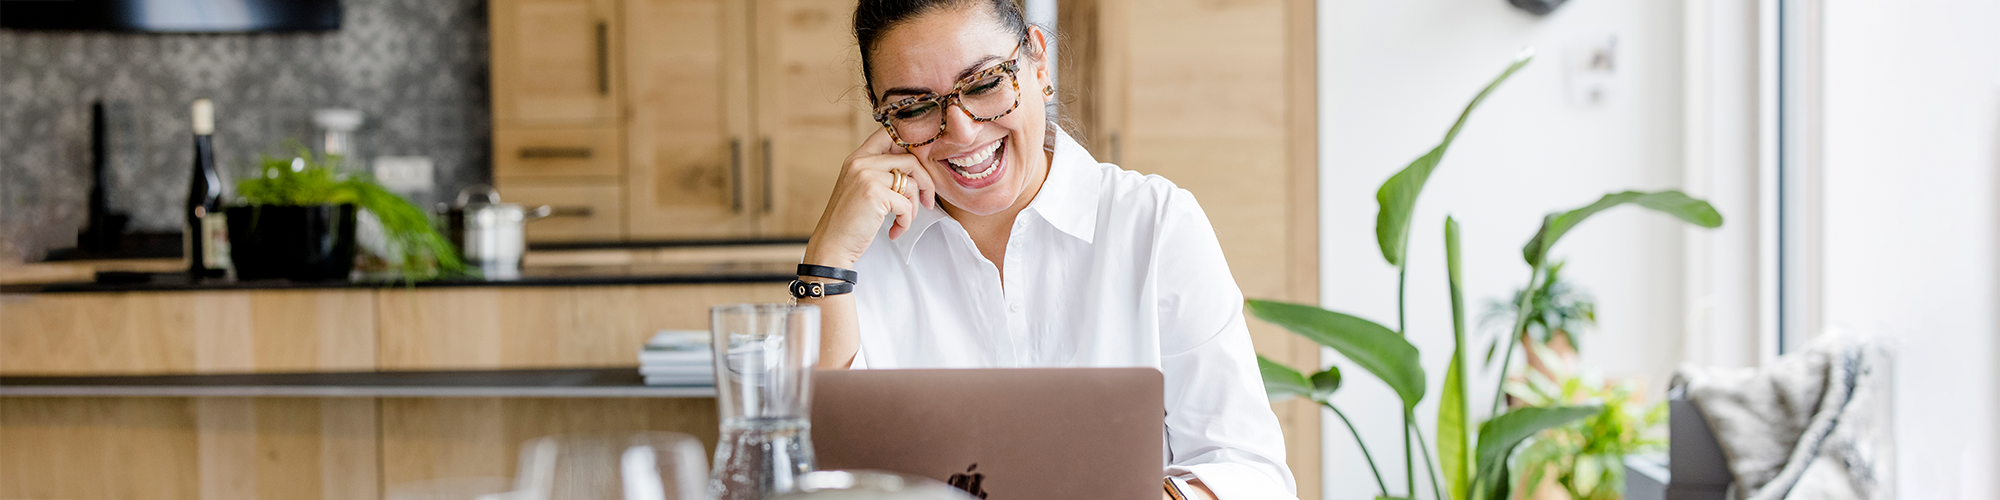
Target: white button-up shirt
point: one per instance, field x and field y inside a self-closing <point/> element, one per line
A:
<point x="1105" y="268"/>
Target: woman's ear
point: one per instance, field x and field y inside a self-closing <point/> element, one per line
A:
<point x="1039" y="41"/>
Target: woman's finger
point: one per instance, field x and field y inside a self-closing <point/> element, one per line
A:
<point x="904" y="209"/>
<point x="880" y="143"/>
<point x="926" y="187"/>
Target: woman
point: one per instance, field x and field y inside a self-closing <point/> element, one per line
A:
<point x="983" y="236"/>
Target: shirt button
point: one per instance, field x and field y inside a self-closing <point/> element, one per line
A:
<point x="1016" y="307"/>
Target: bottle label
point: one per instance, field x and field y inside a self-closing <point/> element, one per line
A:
<point x="215" y="248"/>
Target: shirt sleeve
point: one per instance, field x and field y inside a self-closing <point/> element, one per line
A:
<point x="1220" y="427"/>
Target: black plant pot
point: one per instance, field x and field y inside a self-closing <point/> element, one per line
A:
<point x="298" y="243"/>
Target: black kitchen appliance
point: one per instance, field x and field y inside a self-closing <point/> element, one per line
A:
<point x="171" y="16"/>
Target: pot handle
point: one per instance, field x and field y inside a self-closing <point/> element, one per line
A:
<point x="538" y="213"/>
<point x="465" y="195"/>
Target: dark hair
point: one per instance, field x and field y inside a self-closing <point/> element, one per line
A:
<point x="872" y="18"/>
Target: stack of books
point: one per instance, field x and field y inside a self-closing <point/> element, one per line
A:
<point x="678" y="358"/>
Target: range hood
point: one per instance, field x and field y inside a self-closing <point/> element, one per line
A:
<point x="171" y="16"/>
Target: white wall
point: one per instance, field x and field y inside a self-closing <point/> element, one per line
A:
<point x="1912" y="227"/>
<point x="1393" y="75"/>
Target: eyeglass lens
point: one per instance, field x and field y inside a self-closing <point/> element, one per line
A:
<point x="985" y="98"/>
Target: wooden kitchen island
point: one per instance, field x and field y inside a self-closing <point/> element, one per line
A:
<point x="222" y="390"/>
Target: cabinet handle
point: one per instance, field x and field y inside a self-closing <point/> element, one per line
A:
<point x="554" y="153"/>
<point x="767" y="175"/>
<point x="570" y="211"/>
<point x="603" y="58"/>
<point x="736" y="175"/>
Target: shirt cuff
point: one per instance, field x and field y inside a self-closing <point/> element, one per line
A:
<point x="1229" y="481"/>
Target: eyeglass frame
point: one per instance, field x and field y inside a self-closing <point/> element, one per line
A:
<point x="1011" y="67"/>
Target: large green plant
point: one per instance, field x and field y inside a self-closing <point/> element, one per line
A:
<point x="307" y="180"/>
<point x="1474" y="458"/>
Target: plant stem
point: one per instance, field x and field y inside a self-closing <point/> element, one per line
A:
<point x="1402" y="277"/>
<point x="1409" y="459"/>
<point x="1403" y="328"/>
<point x="1514" y="336"/>
<point x="1364" y="448"/>
<point x="1437" y="488"/>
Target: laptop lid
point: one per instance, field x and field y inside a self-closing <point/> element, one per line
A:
<point x="1002" y="434"/>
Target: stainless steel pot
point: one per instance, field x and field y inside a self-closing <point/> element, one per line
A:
<point x="488" y="232"/>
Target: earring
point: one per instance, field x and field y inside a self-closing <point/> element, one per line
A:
<point x="1048" y="90"/>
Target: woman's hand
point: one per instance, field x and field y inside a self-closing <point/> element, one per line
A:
<point x="862" y="198"/>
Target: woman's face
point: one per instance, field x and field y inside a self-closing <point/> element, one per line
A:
<point x="981" y="168"/>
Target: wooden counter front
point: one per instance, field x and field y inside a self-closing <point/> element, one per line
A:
<point x="333" y="447"/>
<point x="277" y="331"/>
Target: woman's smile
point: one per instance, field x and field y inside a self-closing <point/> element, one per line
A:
<point x="978" y="168"/>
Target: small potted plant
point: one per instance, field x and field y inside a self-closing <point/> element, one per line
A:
<point x="295" y="220"/>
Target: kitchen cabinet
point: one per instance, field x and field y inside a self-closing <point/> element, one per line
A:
<point x="690" y="121"/>
<point x="557" y="125"/>
<point x="730" y="118"/>
<point x="812" y="108"/>
<point x="553" y="63"/>
<point x="1230" y="116"/>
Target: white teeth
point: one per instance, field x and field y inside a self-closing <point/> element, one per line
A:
<point x="982" y="174"/>
<point x="975" y="158"/>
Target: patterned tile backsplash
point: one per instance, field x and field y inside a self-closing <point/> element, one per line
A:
<point x="416" y="68"/>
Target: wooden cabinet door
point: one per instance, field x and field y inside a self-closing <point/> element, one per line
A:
<point x="689" y="146"/>
<point x="554" y="62"/>
<point x="811" y="108"/>
<point x="1228" y="115"/>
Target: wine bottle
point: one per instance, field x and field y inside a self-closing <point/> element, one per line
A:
<point x="206" y="234"/>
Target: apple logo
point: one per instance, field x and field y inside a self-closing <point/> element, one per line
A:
<point x="969" y="481"/>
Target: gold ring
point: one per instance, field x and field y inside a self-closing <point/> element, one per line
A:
<point x="901" y="179"/>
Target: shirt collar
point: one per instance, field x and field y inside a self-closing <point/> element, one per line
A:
<point x="1067" y="200"/>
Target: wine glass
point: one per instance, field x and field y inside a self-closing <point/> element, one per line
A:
<point x="636" y="466"/>
<point x="870" y="485"/>
<point x="452" y="488"/>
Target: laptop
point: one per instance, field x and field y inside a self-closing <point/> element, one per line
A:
<point x="1001" y="434"/>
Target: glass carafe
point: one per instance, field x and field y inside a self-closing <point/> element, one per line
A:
<point x="763" y="383"/>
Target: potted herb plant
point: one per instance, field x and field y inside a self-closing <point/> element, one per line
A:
<point x="295" y="220"/>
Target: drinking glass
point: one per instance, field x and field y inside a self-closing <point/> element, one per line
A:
<point x="635" y="466"/>
<point x="763" y="380"/>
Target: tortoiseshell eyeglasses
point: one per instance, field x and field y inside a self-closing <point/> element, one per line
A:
<point x="985" y="96"/>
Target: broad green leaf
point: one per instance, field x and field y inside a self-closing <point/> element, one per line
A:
<point x="1369" y="345"/>
<point x="1454" y="421"/>
<point x="1398" y="196"/>
<point x="1325" y="383"/>
<point x="1670" y="202"/>
<point x="1282" y="382"/>
<point x="1499" y="436"/>
<point x="1454" y="452"/>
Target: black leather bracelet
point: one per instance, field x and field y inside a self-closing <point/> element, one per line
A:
<point x="805" y="290"/>
<point x="847" y="275"/>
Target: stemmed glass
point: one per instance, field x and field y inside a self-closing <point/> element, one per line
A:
<point x="637" y="466"/>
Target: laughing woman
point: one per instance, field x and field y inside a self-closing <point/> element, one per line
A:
<point x="990" y="239"/>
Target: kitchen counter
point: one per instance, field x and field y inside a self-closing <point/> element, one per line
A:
<point x="638" y="274"/>
<point x="546" y="383"/>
